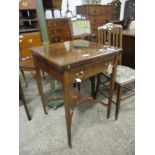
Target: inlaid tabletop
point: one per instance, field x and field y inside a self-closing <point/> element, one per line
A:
<point x="73" y="53"/>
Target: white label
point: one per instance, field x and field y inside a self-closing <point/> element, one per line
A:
<point x="109" y="68"/>
<point x="78" y="80"/>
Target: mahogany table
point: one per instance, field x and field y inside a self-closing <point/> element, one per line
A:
<point x="74" y="59"/>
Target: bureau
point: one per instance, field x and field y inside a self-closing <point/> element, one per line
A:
<point x="97" y="14"/>
<point x="58" y="30"/>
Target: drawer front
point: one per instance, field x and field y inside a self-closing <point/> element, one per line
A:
<point x="30" y="40"/>
<point x="98" y="19"/>
<point x="60" y="38"/>
<point x="25" y="52"/>
<point x="57" y="23"/>
<point x="87" y="71"/>
<point x="94" y="10"/>
<point x="106" y="10"/>
<point x="28" y="4"/>
<point x="59" y="30"/>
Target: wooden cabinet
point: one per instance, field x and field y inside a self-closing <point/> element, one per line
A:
<point x="58" y="30"/>
<point x="28" y="40"/>
<point x="97" y="14"/>
<point x="116" y="6"/>
<point x="27" y="4"/>
<point x="29" y="30"/>
<point x="28" y="16"/>
<point x="128" y="54"/>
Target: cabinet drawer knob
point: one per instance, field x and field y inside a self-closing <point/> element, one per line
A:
<point x="80" y="75"/>
<point x="30" y="41"/>
<point x="24" y="4"/>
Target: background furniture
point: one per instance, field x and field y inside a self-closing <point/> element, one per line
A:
<point x="58" y="30"/>
<point x="129" y="14"/>
<point x="97" y="14"/>
<point x="28" y="18"/>
<point x="67" y="66"/>
<point x="116" y="7"/>
<point x="28" y="26"/>
<point x="111" y="35"/>
<point x="21" y="96"/>
<point x="128" y="55"/>
<point x="52" y="5"/>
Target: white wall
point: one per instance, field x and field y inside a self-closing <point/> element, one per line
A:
<point x="72" y="7"/>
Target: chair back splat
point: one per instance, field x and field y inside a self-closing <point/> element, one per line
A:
<point x="110" y="35"/>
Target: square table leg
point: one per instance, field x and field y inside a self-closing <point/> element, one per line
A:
<point x="40" y="88"/>
<point x="112" y="84"/>
<point x="67" y="106"/>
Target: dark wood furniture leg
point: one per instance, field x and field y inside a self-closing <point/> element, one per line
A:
<point x="112" y="85"/>
<point x="97" y="85"/>
<point x="24" y="77"/>
<point x="119" y="93"/>
<point x="92" y="79"/>
<point x="67" y="107"/>
<point x="21" y="95"/>
<point x="40" y="88"/>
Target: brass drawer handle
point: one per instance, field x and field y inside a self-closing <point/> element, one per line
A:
<point x="80" y="75"/>
<point x="30" y="41"/>
<point x="20" y="40"/>
<point x="24" y="4"/>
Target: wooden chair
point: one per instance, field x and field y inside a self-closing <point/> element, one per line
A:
<point x="111" y="35"/>
<point x="27" y="64"/>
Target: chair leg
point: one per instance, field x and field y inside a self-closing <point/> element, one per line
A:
<point x="92" y="79"/>
<point x="24" y="77"/>
<point x="119" y="93"/>
<point x="21" y="95"/>
<point x="44" y="77"/>
<point x="40" y="89"/>
<point x="97" y="85"/>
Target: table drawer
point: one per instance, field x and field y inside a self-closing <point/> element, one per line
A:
<point x="30" y="40"/>
<point x="88" y="71"/>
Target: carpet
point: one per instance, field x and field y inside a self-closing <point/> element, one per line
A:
<point x="92" y="133"/>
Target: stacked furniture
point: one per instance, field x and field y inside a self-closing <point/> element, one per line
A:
<point x="97" y="14"/>
<point x="58" y="30"/>
<point x="28" y="26"/>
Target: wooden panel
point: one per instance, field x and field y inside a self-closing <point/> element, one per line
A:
<point x="60" y="38"/>
<point x="28" y="4"/>
<point x="94" y="10"/>
<point x="128" y="54"/>
<point x="27" y="41"/>
<point x="30" y="39"/>
<point x="58" y="30"/>
<point x="56" y="23"/>
<point x="83" y="72"/>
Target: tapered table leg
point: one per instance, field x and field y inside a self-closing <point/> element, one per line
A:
<point x="21" y="94"/>
<point x="40" y="88"/>
<point x="67" y="107"/>
<point x="92" y="79"/>
<point x="112" y="84"/>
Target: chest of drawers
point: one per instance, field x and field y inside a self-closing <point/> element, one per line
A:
<point x="58" y="30"/>
<point x="97" y="14"/>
